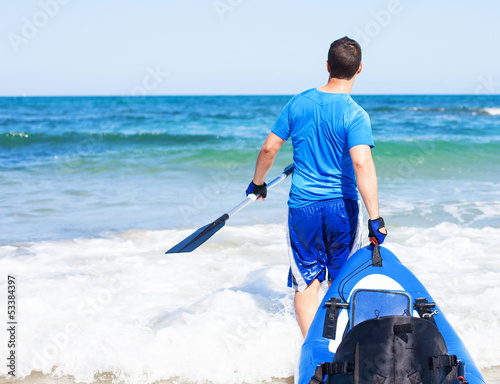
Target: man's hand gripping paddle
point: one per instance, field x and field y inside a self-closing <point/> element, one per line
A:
<point x="204" y="233"/>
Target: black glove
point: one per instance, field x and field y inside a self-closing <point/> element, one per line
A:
<point x="374" y="233"/>
<point x="257" y="190"/>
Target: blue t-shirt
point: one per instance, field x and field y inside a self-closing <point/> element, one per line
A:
<point x="323" y="127"/>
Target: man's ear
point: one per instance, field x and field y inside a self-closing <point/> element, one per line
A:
<point x="360" y="68"/>
<point x="328" y="66"/>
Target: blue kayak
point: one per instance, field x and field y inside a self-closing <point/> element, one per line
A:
<point x="377" y="324"/>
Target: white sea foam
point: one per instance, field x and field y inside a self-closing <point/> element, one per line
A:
<point x="120" y="305"/>
<point x="221" y="314"/>
<point x="474" y="212"/>
<point x="491" y="111"/>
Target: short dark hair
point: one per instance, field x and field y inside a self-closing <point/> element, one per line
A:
<point x="344" y="58"/>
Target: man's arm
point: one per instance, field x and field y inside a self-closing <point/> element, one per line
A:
<point x="266" y="157"/>
<point x="366" y="178"/>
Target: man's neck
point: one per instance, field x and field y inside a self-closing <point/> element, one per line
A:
<point x="338" y="86"/>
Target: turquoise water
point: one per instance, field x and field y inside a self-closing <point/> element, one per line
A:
<point x="94" y="190"/>
<point x="81" y="166"/>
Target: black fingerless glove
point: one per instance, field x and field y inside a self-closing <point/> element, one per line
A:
<point x="374" y="233"/>
<point x="257" y="190"/>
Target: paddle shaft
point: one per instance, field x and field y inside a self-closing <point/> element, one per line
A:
<point x="251" y="198"/>
<point x="196" y="239"/>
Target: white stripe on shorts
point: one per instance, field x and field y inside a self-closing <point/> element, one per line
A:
<point x="357" y="237"/>
<point x="301" y="283"/>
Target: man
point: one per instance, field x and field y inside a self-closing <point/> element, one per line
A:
<point x="332" y="141"/>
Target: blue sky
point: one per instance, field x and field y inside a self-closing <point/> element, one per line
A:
<point x="153" y="47"/>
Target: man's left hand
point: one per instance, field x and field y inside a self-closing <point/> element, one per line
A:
<point x="377" y="231"/>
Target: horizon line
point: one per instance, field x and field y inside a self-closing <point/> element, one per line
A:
<point x="249" y="94"/>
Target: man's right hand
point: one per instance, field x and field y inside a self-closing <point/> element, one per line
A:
<point x="377" y="231"/>
<point x="257" y="190"/>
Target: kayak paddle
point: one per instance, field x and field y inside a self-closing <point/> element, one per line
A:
<point x="193" y="241"/>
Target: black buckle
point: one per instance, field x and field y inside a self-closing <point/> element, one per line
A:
<point x="443" y="361"/>
<point x="341" y="368"/>
<point x="333" y="306"/>
<point x="424" y="308"/>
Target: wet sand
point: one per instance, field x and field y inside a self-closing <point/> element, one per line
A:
<point x="492" y="376"/>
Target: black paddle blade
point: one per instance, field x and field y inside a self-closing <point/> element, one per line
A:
<point x="193" y="241"/>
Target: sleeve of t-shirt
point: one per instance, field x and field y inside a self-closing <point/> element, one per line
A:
<point x="282" y="126"/>
<point x="359" y="129"/>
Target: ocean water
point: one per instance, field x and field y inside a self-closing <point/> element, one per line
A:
<point x="94" y="190"/>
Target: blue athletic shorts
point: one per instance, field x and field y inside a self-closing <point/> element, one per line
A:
<point x="321" y="236"/>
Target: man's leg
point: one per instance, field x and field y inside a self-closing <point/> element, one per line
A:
<point x="308" y="259"/>
<point x="306" y="304"/>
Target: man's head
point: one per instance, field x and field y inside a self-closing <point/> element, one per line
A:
<point x="344" y="59"/>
